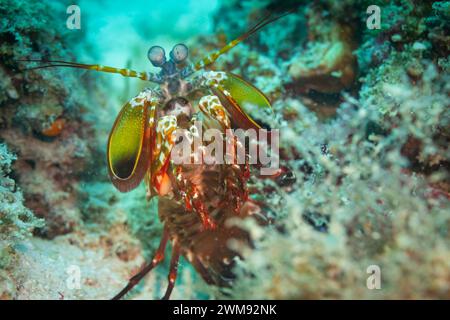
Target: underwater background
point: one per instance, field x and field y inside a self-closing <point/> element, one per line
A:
<point x="364" y="123"/>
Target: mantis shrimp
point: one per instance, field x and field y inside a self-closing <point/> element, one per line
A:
<point x="195" y="201"/>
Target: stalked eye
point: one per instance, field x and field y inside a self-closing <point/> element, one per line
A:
<point x="179" y="53"/>
<point x="157" y="56"/>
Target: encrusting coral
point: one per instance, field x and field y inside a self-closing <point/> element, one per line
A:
<point x="16" y="222"/>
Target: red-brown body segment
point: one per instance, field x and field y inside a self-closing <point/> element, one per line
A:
<point x="198" y="203"/>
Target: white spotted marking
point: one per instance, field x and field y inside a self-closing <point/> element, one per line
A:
<point x="213" y="78"/>
<point x="139" y="100"/>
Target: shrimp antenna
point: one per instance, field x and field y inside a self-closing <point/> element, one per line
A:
<point x="212" y="57"/>
<point x="148" y="76"/>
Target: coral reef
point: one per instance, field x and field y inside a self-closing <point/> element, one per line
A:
<point x="49" y="163"/>
<point x="47" y="118"/>
<point x="328" y="64"/>
<point x="374" y="179"/>
<point x="364" y="120"/>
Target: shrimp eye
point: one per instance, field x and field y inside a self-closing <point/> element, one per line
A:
<point x="179" y="53"/>
<point x="157" y="56"/>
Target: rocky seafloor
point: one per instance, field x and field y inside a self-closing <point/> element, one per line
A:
<point x="364" y="117"/>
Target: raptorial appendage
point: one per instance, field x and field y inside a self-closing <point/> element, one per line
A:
<point x="130" y="141"/>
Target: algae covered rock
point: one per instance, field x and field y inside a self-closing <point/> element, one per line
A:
<point x="42" y="112"/>
<point x="16" y="221"/>
<point x="328" y="64"/>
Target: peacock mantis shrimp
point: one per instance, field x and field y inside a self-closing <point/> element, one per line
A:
<point x="194" y="200"/>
